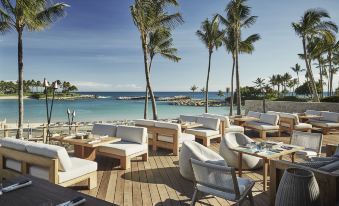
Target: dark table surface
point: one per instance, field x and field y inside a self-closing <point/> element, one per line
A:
<point x="43" y="193"/>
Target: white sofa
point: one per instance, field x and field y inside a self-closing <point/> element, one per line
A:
<point x="225" y="123"/>
<point x="328" y="121"/>
<point x="133" y="143"/>
<point x="165" y="134"/>
<point x="49" y="162"/>
<point x="290" y="122"/>
<point x="313" y="112"/>
<point x="253" y="114"/>
<point x="188" y="118"/>
<point x="266" y="123"/>
<point x="233" y="140"/>
<point x="210" y="129"/>
<point x="196" y="151"/>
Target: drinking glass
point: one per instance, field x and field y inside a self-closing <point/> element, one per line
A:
<point x="0" y="188"/>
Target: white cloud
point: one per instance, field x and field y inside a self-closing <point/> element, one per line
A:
<point x="98" y="86"/>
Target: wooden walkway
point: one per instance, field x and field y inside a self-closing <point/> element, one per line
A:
<point x="158" y="181"/>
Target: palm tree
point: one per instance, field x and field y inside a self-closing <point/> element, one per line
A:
<point x="279" y="81"/>
<point x="32" y="15"/>
<point x="259" y="83"/>
<point x="311" y="25"/>
<point x="273" y="81"/>
<point x="297" y="69"/>
<point x="291" y="84"/>
<point x="193" y="89"/>
<point x="149" y="15"/>
<point x="160" y="42"/>
<point x="286" y="78"/>
<point x="220" y="93"/>
<point x="211" y="36"/>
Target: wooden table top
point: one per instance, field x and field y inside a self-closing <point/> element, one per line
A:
<point x="85" y="142"/>
<point x="44" y="193"/>
<point x="268" y="154"/>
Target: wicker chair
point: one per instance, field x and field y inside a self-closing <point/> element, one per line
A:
<point x="311" y="141"/>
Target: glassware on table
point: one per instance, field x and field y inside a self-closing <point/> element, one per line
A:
<point x="1" y="188"/>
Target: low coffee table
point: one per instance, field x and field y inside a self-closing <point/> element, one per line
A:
<point x="266" y="156"/>
<point x="85" y="148"/>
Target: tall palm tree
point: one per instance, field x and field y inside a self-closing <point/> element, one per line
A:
<point x="286" y="78"/>
<point x="273" y="81"/>
<point x="160" y="42"/>
<point x="149" y="15"/>
<point x="193" y="89"/>
<point x="279" y="81"/>
<point x="27" y="15"/>
<point x="259" y="83"/>
<point x="211" y="36"/>
<point x="297" y="69"/>
<point x="310" y="25"/>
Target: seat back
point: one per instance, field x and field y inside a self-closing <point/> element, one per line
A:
<point x="216" y="177"/>
<point x="188" y="118"/>
<point x="330" y="116"/>
<point x="271" y="119"/>
<point x="144" y="122"/>
<point x="223" y="119"/>
<point x="311" y="141"/>
<point x="288" y="120"/>
<point x="104" y="129"/>
<point x="132" y="134"/>
<point x="168" y="129"/>
<point x="253" y="114"/>
<point x="314" y="112"/>
<point x="209" y="123"/>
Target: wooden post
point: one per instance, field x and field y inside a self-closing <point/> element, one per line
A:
<point x="6" y="130"/>
<point x="44" y="133"/>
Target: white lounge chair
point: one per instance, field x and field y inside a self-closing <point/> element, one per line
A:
<point x="328" y="121"/>
<point x="290" y="122"/>
<point x="225" y="123"/>
<point x="266" y="123"/>
<point x="210" y="129"/>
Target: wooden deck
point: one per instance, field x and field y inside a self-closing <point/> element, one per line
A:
<point x="158" y="181"/>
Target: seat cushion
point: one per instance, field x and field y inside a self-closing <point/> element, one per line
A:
<point x="322" y="123"/>
<point x="234" y="128"/>
<point x="261" y="126"/>
<point x="168" y="125"/>
<point x="330" y="167"/>
<point x="188" y="118"/>
<point x="242" y="183"/>
<point x="51" y="151"/>
<point x="183" y="137"/>
<point x="80" y="167"/>
<point x="203" y="132"/>
<point x="253" y="114"/>
<point x="13" y="143"/>
<point x="271" y="119"/>
<point x="104" y="129"/>
<point x="314" y="112"/>
<point x="290" y="116"/>
<point x="307" y="153"/>
<point x="13" y="165"/>
<point x="210" y="123"/>
<point x="123" y="148"/>
<point x="144" y="122"/>
<point x="330" y="116"/>
<point x="132" y="134"/>
<point x="303" y="126"/>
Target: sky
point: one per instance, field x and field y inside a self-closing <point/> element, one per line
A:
<point x="97" y="47"/>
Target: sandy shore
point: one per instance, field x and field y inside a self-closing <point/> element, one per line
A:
<point x="11" y="97"/>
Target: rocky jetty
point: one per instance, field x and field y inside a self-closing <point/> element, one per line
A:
<point x="198" y="103"/>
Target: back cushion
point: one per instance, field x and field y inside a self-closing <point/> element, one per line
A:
<point x="290" y="116"/>
<point x="187" y="118"/>
<point x="52" y="151"/>
<point x="132" y="134"/>
<point x="169" y="126"/>
<point x="269" y="118"/>
<point x="221" y="117"/>
<point x="13" y="143"/>
<point x="314" y="112"/>
<point x="210" y="123"/>
<point x="330" y="116"/>
<point x="333" y="166"/>
<point x="104" y="129"/>
<point x="254" y="114"/>
<point x="144" y="122"/>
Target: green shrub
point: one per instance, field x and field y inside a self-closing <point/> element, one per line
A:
<point x="330" y="99"/>
<point x="291" y="98"/>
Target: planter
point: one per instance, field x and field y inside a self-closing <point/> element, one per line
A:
<point x="298" y="187"/>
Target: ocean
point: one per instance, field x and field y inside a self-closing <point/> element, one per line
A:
<point x="105" y="108"/>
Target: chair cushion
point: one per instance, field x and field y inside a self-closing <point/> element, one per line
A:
<point x="261" y="126"/>
<point x="216" y="116"/>
<point x="330" y="116"/>
<point x="168" y="125"/>
<point x="322" y="123"/>
<point x="132" y="134"/>
<point x="271" y="119"/>
<point x="330" y="167"/>
<point x="104" y="129"/>
<point x="234" y="128"/>
<point x="203" y="132"/>
<point x="123" y="148"/>
<point x="13" y="143"/>
<point x="290" y="116"/>
<point x="210" y="123"/>
<point x="51" y="151"/>
<point x="13" y="165"/>
<point x="183" y="137"/>
<point x="303" y="126"/>
<point x="307" y="153"/>
<point x="144" y="122"/>
<point x="80" y="167"/>
<point x="242" y="183"/>
<point x="253" y="114"/>
<point x="314" y="112"/>
<point x="188" y="118"/>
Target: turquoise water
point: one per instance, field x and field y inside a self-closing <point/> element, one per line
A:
<point x="106" y="108"/>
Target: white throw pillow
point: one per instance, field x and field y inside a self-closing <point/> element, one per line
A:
<point x="13" y="143"/>
<point x="271" y="119"/>
<point x="253" y="114"/>
<point x="144" y="122"/>
<point x="187" y="118"/>
<point x="132" y="134"/>
<point x="221" y="117"/>
<point x="330" y="116"/>
<point x="104" y="129"/>
<point x="52" y="151"/>
<point x="210" y="123"/>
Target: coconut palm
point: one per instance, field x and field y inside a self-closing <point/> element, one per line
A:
<point x="279" y="81"/>
<point x="30" y="15"/>
<point x="160" y="42"/>
<point x="220" y="93"/>
<point x="211" y="36"/>
<point x="310" y="25"/>
<point x="259" y="83"/>
<point x="297" y="69"/>
<point x="286" y="78"/>
<point x="193" y="89"/>
<point x="149" y="15"/>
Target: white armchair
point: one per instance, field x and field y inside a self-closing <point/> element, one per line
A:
<point x="210" y="129"/>
<point x="196" y="151"/>
<point x="220" y="181"/>
<point x="225" y="123"/>
<point x="233" y="140"/>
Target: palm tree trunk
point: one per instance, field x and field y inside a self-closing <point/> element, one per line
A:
<point x="232" y="85"/>
<point x="20" y="85"/>
<point x="148" y="83"/>
<point x="321" y="79"/>
<point x="331" y="72"/>
<point x="207" y="81"/>
<point x="147" y="93"/>
<point x="238" y="82"/>
<point x="309" y="69"/>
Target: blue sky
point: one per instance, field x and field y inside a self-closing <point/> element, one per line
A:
<point x="97" y="47"/>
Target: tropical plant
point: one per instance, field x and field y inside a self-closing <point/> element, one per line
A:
<point x="31" y="15"/>
<point x="309" y="26"/>
<point x="148" y="16"/>
<point x="202" y="90"/>
<point x="297" y="69"/>
<point x="211" y="36"/>
<point x="193" y="89"/>
<point x="220" y="93"/>
<point x="259" y="83"/>
<point x="286" y="78"/>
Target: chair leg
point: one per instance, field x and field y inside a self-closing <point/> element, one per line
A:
<point x="125" y="163"/>
<point x="206" y="142"/>
<point x="145" y="157"/>
<point x="250" y="197"/>
<point x="194" y="197"/>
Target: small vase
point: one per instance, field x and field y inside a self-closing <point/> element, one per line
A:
<point x="298" y="187"/>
